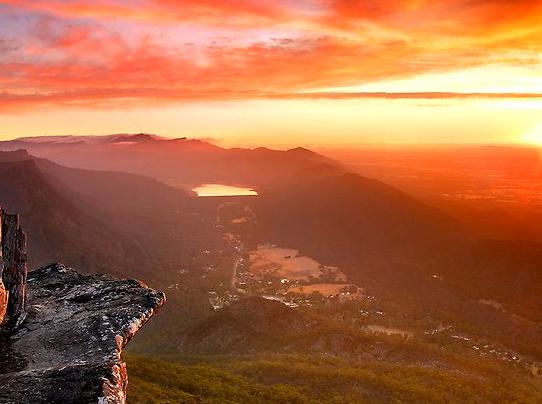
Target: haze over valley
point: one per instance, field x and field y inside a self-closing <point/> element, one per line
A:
<point x="264" y="252"/>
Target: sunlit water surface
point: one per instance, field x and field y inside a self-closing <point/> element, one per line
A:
<point x="222" y="190"/>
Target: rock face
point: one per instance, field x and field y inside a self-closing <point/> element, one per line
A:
<point x="3" y="299"/>
<point x="13" y="272"/>
<point x="64" y="332"/>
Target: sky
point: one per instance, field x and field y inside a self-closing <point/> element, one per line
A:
<point x="276" y="73"/>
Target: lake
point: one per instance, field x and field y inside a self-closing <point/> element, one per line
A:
<point x="206" y="190"/>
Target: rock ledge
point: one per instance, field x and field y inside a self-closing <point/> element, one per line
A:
<point x="68" y="348"/>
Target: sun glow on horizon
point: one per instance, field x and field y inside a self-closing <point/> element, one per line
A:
<point x="491" y="79"/>
<point x="308" y="123"/>
<point x="534" y="136"/>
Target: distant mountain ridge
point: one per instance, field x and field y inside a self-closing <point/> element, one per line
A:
<point x="179" y="161"/>
<point x="95" y="139"/>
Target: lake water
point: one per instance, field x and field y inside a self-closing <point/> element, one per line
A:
<point x="222" y="190"/>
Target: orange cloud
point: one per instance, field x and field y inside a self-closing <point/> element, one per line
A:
<point x="443" y="17"/>
<point x="116" y="51"/>
<point x="230" y="71"/>
<point x="130" y="96"/>
<point x="224" y="12"/>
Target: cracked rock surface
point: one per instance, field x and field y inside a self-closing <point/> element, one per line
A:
<point x="68" y="348"/>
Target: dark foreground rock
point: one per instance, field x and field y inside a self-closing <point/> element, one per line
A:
<point x="68" y="348"/>
<point x="13" y="272"/>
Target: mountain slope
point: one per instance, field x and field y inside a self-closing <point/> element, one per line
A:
<point x="53" y="223"/>
<point x="259" y="350"/>
<point x="99" y="222"/>
<point x="119" y="191"/>
<point x="349" y="218"/>
<point x="178" y="161"/>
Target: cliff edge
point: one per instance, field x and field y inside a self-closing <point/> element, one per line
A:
<point x="62" y="337"/>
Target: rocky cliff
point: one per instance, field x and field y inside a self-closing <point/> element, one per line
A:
<point x="62" y="332"/>
<point x="13" y="272"/>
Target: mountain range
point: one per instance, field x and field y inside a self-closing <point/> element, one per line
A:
<point x="122" y="205"/>
<point x="179" y="162"/>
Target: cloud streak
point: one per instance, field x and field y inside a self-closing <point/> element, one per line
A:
<point x="128" y="98"/>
